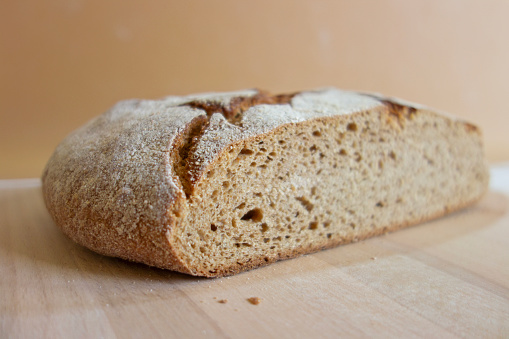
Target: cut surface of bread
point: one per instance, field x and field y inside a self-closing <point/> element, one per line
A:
<point x="215" y="184"/>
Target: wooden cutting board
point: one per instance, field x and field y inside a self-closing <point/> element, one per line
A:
<point x="446" y="278"/>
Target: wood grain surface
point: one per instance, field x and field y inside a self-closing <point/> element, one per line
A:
<point x="446" y="278"/>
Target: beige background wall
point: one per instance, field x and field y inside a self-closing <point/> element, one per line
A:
<point x="64" y="61"/>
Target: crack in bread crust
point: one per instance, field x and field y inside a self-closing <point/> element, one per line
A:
<point x="182" y="150"/>
<point x="235" y="109"/>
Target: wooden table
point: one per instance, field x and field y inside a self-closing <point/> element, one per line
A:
<point x="446" y="278"/>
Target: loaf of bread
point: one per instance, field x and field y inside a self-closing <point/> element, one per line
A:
<point x="218" y="183"/>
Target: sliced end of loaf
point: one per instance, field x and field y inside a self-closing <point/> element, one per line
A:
<point x="316" y="184"/>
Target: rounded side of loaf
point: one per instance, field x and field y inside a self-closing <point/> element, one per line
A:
<point x="110" y="185"/>
<point x="185" y="184"/>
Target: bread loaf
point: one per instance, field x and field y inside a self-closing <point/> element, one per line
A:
<point x="215" y="184"/>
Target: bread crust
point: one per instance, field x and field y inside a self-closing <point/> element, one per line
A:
<point x="120" y="185"/>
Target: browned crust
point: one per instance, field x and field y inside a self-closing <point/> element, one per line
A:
<point x="398" y="110"/>
<point x="471" y="128"/>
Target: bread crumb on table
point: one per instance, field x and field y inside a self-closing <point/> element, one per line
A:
<point x="223" y="301"/>
<point x="254" y="300"/>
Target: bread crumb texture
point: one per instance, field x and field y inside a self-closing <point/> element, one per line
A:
<point x="218" y="183"/>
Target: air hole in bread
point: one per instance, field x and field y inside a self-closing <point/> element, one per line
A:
<point x="313" y="225"/>
<point x="352" y="127"/>
<point x="246" y="151"/>
<point x="265" y="227"/>
<point x="313" y="190"/>
<point x="306" y="203"/>
<point x="254" y="215"/>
